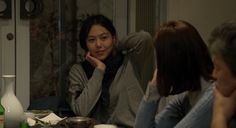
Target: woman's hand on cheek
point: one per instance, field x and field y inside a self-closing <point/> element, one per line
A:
<point x="225" y="90"/>
<point x="95" y="62"/>
<point x="225" y="105"/>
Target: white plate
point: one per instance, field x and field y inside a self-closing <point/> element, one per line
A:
<point x="105" y="126"/>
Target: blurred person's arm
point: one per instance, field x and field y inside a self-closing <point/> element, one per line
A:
<point x="148" y="116"/>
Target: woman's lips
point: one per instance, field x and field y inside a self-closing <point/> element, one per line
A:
<point x="100" y="52"/>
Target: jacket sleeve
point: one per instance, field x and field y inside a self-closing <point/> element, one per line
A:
<point x="173" y="115"/>
<point x="84" y="93"/>
<point x="200" y="115"/>
<point x="148" y="116"/>
<point x="147" y="109"/>
<point x="139" y="48"/>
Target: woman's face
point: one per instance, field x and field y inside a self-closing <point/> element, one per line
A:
<point x="100" y="42"/>
<point x="225" y="80"/>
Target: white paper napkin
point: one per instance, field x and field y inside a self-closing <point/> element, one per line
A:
<point x="51" y="119"/>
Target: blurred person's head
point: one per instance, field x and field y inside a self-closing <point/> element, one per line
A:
<point x="222" y="45"/>
<point x="182" y="58"/>
<point x="98" y="36"/>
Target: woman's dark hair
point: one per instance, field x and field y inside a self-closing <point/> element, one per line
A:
<point x="182" y="58"/>
<point x="112" y="62"/>
<point x="223" y="42"/>
<point x="94" y="20"/>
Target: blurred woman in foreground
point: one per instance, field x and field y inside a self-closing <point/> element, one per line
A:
<point x="184" y="69"/>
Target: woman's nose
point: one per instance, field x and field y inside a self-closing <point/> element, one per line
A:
<point x="98" y="43"/>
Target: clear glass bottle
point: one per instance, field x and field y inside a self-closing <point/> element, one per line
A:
<point x="14" y="113"/>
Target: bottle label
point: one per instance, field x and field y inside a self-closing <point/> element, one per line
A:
<point x="1" y="121"/>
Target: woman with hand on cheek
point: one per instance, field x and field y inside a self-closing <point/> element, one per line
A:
<point x="109" y="84"/>
<point x="222" y="45"/>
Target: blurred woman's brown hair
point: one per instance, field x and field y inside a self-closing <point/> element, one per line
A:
<point x="182" y="58"/>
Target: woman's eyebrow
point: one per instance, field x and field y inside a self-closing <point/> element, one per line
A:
<point x="101" y="34"/>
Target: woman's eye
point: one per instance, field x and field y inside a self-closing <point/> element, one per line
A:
<point x="91" y="40"/>
<point x="104" y="37"/>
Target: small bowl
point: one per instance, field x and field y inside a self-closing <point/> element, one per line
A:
<point x="78" y="122"/>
